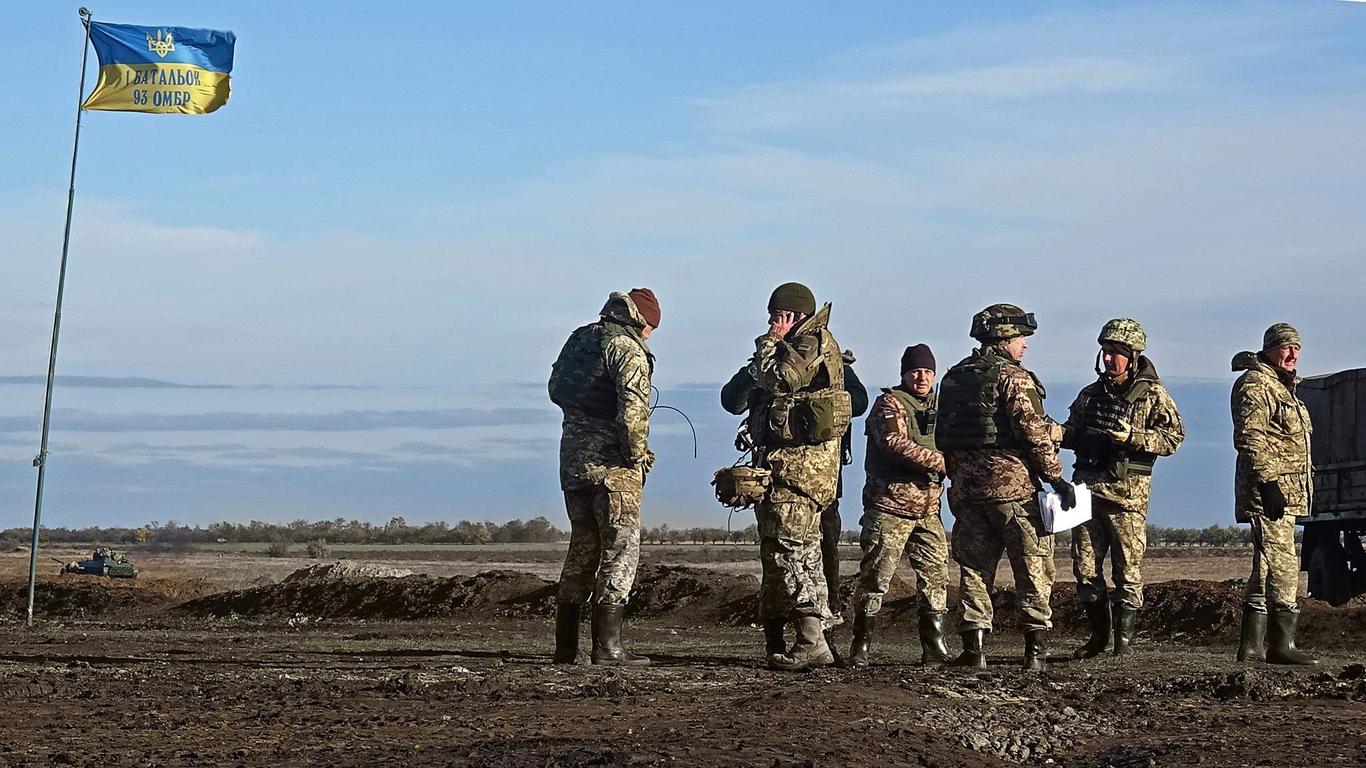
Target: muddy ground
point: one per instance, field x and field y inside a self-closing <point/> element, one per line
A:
<point x="340" y="669"/>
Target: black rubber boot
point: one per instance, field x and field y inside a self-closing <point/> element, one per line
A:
<point x="773" y="636"/>
<point x="932" y="647"/>
<point x="607" y="648"/>
<point x="1280" y="640"/>
<point x="972" y="655"/>
<point x="1126" y="626"/>
<point x="863" y="640"/>
<point x="1252" y="647"/>
<point x="809" y="649"/>
<point x="567" y="616"/>
<point x="1098" y="616"/>
<point x="1036" y="650"/>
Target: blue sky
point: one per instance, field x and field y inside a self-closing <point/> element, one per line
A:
<point x="375" y="250"/>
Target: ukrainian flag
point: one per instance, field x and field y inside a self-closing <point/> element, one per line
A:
<point x="165" y="70"/>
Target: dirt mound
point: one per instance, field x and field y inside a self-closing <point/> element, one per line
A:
<point x="73" y="596"/>
<point x="345" y="570"/>
<point x="691" y="594"/>
<point x="491" y="593"/>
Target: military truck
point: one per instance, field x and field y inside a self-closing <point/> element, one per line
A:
<point x="1332" y="553"/>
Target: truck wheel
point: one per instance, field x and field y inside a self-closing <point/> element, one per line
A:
<point x="1329" y="579"/>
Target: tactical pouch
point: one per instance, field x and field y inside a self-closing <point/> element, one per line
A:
<point x="741" y="486"/>
<point x="822" y="416"/>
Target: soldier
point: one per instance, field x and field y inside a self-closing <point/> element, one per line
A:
<point x="735" y="398"/>
<point x="798" y="413"/>
<point x="601" y="381"/>
<point x="997" y="443"/>
<point x="1273" y="486"/>
<point x="901" y="508"/>
<point x="1117" y="426"/>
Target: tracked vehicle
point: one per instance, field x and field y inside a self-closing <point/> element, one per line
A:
<point x="103" y="562"/>
<point x="1332" y="553"/>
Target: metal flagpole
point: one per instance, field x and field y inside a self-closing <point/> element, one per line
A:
<point x="40" y="461"/>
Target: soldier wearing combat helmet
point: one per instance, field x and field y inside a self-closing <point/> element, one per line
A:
<point x="998" y="444"/>
<point x="1118" y="426"/>
<point x="798" y="414"/>
<point x="1273" y="484"/>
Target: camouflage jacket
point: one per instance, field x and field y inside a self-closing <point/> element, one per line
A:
<point x="1156" y="430"/>
<point x="806" y="360"/>
<point x="591" y="448"/>
<point x="993" y="475"/>
<point x="892" y="430"/>
<point x="1271" y="432"/>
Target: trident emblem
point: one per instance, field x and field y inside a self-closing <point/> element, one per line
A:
<point x="161" y="45"/>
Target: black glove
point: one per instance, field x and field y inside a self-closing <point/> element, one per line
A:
<point x="1066" y="493"/>
<point x="1273" y="501"/>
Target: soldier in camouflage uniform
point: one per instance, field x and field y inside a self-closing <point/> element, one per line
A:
<point x="1117" y="426"/>
<point x="601" y="381"/>
<point x="737" y="396"/>
<point x="1273" y="486"/>
<point x="798" y="414"/>
<point x="905" y="475"/>
<point x="998" y="443"/>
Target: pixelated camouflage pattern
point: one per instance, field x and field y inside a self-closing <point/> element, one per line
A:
<point x="1125" y="331"/>
<point x="591" y="447"/>
<point x="990" y="475"/>
<point x="1156" y="428"/>
<point x="983" y="331"/>
<point x="1275" y="579"/>
<point x="792" y="583"/>
<point x="805" y="477"/>
<point x="884" y="539"/>
<point x="1271" y="431"/>
<point x="892" y="431"/>
<point x="1279" y="335"/>
<point x="604" y="539"/>
<point x="1122" y="534"/>
<point x="981" y="533"/>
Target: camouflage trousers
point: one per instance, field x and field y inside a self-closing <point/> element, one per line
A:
<point x="831" y="528"/>
<point x="1275" y="579"/>
<point x="982" y="531"/>
<point x="604" y="540"/>
<point x="793" y="581"/>
<point x="884" y="538"/>
<point x="1123" y="535"/>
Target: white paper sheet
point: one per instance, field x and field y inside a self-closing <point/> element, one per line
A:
<point x="1057" y="519"/>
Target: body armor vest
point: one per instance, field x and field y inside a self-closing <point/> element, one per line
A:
<point x="818" y="413"/>
<point x="970" y="414"/>
<point x="919" y="422"/>
<point x="1106" y="412"/>
<point x="579" y="377"/>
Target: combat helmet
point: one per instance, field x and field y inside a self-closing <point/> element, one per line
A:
<point x="1000" y="322"/>
<point x="1124" y="332"/>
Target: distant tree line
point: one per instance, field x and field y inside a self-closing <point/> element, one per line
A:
<point x="535" y="530"/>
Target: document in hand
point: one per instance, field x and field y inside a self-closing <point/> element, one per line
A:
<point x="1056" y="519"/>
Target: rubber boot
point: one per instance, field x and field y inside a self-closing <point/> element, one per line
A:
<point x="567" y="617"/>
<point x="1280" y="640"/>
<point x="863" y="640"/>
<point x="1098" y="616"/>
<point x="932" y="647"/>
<point x="972" y="655"/>
<point x="834" y="651"/>
<point x="773" y="636"/>
<point x="1126" y="626"/>
<point x="809" y="649"/>
<point x="1252" y="647"/>
<point x="1036" y="650"/>
<point x="607" y="648"/>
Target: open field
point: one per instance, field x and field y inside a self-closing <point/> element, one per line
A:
<point x="212" y="658"/>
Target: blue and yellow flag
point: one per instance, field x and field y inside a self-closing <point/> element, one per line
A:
<point x="160" y="69"/>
